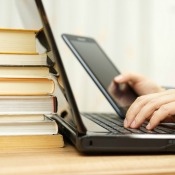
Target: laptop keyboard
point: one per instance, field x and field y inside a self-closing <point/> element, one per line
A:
<point x="115" y="125"/>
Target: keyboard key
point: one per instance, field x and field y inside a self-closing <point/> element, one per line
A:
<point x="167" y="130"/>
<point x="147" y="131"/>
<point x="136" y="131"/>
<point x="160" y="131"/>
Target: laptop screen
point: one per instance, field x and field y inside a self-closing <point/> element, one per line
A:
<point x="102" y="71"/>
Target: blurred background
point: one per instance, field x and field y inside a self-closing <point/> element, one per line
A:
<point x="137" y="35"/>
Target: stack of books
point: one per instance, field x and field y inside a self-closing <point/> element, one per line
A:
<point x="27" y="98"/>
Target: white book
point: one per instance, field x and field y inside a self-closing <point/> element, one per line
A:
<point x="44" y="127"/>
<point x="28" y="105"/>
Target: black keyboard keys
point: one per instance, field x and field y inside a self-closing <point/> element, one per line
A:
<point x="115" y="125"/>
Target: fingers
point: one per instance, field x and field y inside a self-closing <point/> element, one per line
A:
<point x="140" y="84"/>
<point x="161" y="114"/>
<point x="128" y="77"/>
<point x="132" y="117"/>
<point x="150" y="106"/>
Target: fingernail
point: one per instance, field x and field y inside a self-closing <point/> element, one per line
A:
<point x="125" y="123"/>
<point x="148" y="126"/>
<point x="133" y="124"/>
<point x="118" y="78"/>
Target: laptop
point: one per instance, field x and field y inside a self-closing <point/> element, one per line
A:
<point x="100" y="132"/>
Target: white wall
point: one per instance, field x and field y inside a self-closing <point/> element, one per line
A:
<point x="164" y="42"/>
<point x="138" y="35"/>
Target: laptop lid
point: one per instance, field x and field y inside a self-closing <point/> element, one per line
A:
<point x="75" y="117"/>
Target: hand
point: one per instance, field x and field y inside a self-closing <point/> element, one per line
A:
<point x="139" y="83"/>
<point x="158" y="106"/>
<point x="155" y="107"/>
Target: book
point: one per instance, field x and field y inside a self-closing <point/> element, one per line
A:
<point x="15" y="59"/>
<point x="47" y="126"/>
<point x="33" y="134"/>
<point x="31" y="142"/>
<point x="21" y="117"/>
<point x="19" y="41"/>
<point x="24" y="72"/>
<point x="28" y="105"/>
<point x="26" y="86"/>
<point x="59" y="79"/>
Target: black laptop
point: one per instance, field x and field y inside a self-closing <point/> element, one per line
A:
<point x="102" y="132"/>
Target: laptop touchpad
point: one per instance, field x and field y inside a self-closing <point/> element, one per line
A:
<point x="91" y="126"/>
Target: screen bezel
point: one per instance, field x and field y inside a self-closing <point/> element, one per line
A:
<point x="68" y="39"/>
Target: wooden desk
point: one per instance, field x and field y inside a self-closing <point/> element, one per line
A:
<point x="68" y="161"/>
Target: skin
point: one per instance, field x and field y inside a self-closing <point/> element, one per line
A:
<point x="154" y="103"/>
